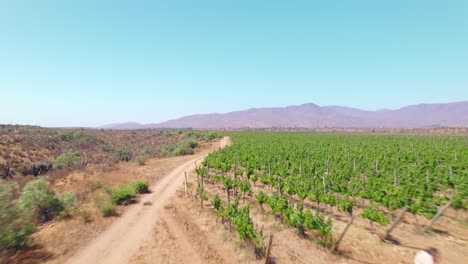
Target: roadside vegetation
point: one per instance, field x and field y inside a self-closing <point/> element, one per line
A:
<point x="37" y="204"/>
<point x="34" y="151"/>
<point x="29" y="198"/>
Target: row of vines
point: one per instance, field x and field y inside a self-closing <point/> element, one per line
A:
<point x="289" y="172"/>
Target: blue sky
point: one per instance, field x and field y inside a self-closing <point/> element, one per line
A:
<point x="87" y="64"/>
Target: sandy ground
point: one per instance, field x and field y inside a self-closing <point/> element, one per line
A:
<point x="176" y="229"/>
<point x="119" y="242"/>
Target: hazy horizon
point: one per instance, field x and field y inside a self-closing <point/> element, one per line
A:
<point x="90" y="64"/>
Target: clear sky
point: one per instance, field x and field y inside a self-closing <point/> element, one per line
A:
<point x="80" y="63"/>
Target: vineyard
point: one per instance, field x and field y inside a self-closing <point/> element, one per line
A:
<point x="308" y="181"/>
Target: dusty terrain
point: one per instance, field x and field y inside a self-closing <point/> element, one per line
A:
<point x="174" y="228"/>
<point x="181" y="231"/>
<point x="22" y="147"/>
<point x="123" y="238"/>
<point x="57" y="240"/>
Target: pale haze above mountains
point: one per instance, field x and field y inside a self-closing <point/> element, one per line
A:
<point x="313" y="116"/>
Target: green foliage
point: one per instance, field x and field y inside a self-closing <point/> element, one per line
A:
<point x="458" y="203"/>
<point x="123" y="194"/>
<point x="425" y="208"/>
<point x="70" y="135"/>
<point x="261" y="198"/>
<point x="140" y="186"/>
<point x="167" y="149"/>
<point x="40" y="200"/>
<point x="329" y="199"/>
<point x="219" y="206"/>
<point x="107" y="209"/>
<point x="244" y="187"/>
<point x="298" y="161"/>
<point x="211" y="135"/>
<point x="330" y="168"/>
<point x="68" y="202"/>
<point x="186" y="147"/>
<point x="216" y="202"/>
<point x="346" y="205"/>
<point x="15" y="227"/>
<point x="67" y="159"/>
<point x="296" y="218"/>
<point x="278" y="203"/>
<point x="373" y="214"/>
<point x="244" y="224"/>
<point x="202" y="194"/>
<point x="125" y="154"/>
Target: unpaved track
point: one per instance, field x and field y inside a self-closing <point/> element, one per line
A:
<point x="124" y="237"/>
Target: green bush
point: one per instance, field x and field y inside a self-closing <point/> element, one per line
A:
<point x="40" y="200"/>
<point x="15" y="227"/>
<point x="209" y="136"/>
<point x="374" y="215"/>
<point x="185" y="147"/>
<point x="123" y="194"/>
<point x="107" y="209"/>
<point x="261" y="198"/>
<point x="167" y="149"/>
<point x="70" y="135"/>
<point x="107" y="148"/>
<point x="68" y="202"/>
<point x="125" y="154"/>
<point x="140" y="186"/>
<point x="458" y="203"/>
<point x="67" y="159"/>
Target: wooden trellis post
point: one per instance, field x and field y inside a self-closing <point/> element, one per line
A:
<point x="350" y="222"/>
<point x="270" y="243"/>
<point x="436" y="217"/>
<point x="324" y="185"/>
<point x="395" y="182"/>
<point x="395" y="223"/>
<point x="279" y="186"/>
<point x="235" y="171"/>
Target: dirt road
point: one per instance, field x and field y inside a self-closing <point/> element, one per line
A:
<point x="127" y="235"/>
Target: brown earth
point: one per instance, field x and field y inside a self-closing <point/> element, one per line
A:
<point x="56" y="241"/>
<point x="123" y="238"/>
<point x="176" y="229"/>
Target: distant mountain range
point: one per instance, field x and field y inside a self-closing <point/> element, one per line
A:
<point x="315" y="117"/>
